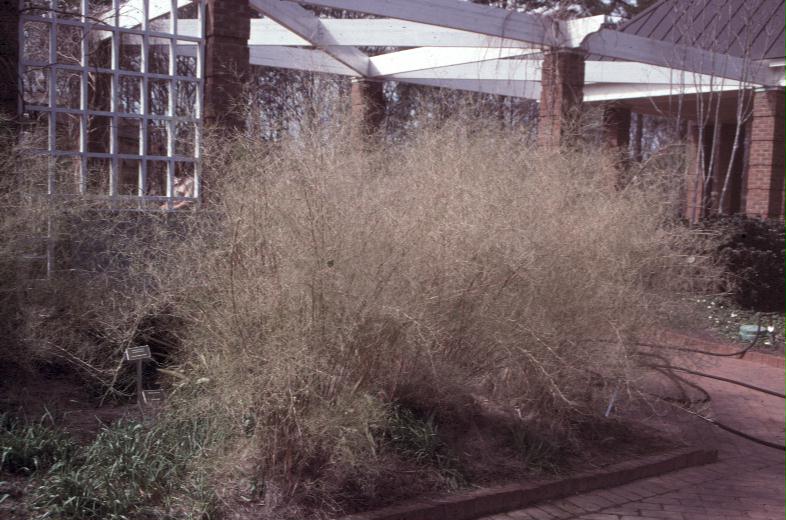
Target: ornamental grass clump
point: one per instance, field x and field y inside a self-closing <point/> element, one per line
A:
<point x="363" y="321"/>
<point x="461" y="274"/>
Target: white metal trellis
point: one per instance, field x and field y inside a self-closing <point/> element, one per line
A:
<point x="120" y="88"/>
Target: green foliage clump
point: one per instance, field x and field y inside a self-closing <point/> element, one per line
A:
<point x="27" y="448"/>
<point x="128" y="471"/>
<point x="418" y="439"/>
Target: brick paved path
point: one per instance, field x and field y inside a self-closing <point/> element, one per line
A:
<point x="746" y="483"/>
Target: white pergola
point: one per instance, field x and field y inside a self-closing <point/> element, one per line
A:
<point x="460" y="45"/>
<point x="442" y="43"/>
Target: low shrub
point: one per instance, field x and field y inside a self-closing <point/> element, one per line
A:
<point x="752" y="252"/>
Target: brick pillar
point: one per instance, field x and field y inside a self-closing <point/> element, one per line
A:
<point x="227" y="28"/>
<point x="765" y="177"/>
<point x="616" y="133"/>
<point x="9" y="56"/>
<point x="367" y="100"/>
<point x="562" y="81"/>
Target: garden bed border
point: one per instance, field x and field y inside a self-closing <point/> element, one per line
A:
<point x="490" y="501"/>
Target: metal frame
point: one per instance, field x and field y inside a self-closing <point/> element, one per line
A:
<point x="114" y="27"/>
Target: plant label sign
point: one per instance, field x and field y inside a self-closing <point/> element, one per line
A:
<point x="137" y="353"/>
<point x="152" y="396"/>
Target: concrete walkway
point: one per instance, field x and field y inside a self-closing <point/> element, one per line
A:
<point x="746" y="483"/>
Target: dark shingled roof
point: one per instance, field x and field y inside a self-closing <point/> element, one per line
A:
<point x="742" y="28"/>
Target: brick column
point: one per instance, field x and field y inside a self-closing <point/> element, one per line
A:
<point x="562" y="81"/>
<point x="9" y="56"/>
<point x="765" y="174"/>
<point x="227" y="28"/>
<point x="367" y="111"/>
<point x="616" y="132"/>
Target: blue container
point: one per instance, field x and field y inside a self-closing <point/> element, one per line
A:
<point x="748" y="332"/>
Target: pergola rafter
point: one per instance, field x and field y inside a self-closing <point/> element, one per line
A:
<point x="398" y="64"/>
<point x="359" y="32"/>
<point x="308" y="26"/>
<point x="587" y="35"/>
<point x="296" y="58"/>
<point x="458" y="44"/>
<point x="452" y="14"/>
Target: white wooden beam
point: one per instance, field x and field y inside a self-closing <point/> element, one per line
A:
<point x="358" y="32"/>
<point x="298" y="59"/>
<point x="456" y="14"/>
<point x="265" y="31"/>
<point x="615" y="91"/>
<point x="380" y="32"/>
<point x="389" y="32"/>
<point x="630" y="72"/>
<point x="529" y="69"/>
<point x="494" y="70"/>
<point x="627" y="47"/>
<point x="520" y="89"/>
<point x="433" y="57"/>
<point x="308" y="26"/>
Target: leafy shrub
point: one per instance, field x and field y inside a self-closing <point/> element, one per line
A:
<point x="752" y="251"/>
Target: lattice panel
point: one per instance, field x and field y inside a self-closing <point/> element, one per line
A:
<point x="118" y="88"/>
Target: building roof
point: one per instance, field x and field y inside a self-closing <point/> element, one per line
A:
<point x="743" y="28"/>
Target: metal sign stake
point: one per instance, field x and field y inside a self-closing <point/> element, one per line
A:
<point x="139" y="386"/>
<point x="138" y="355"/>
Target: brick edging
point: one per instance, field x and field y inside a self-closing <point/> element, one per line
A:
<point x="491" y="501"/>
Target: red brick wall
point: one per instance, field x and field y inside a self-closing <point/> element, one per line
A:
<point x="227" y="28"/>
<point x="561" y="95"/>
<point x="765" y="169"/>
<point x="9" y="55"/>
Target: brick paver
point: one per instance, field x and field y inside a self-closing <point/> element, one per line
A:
<point x="747" y="483"/>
